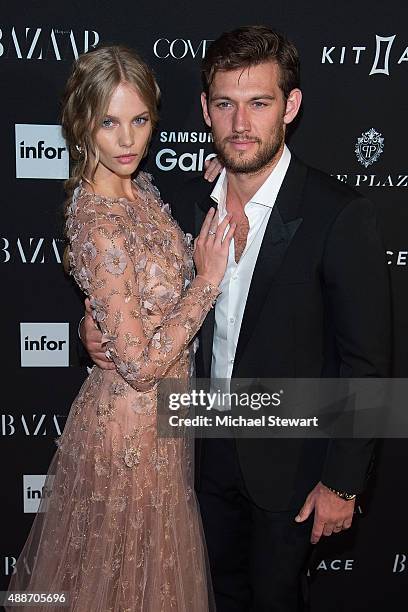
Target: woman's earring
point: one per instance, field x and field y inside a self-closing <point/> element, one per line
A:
<point x="79" y="149"/>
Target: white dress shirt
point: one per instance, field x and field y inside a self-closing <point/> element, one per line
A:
<point x="230" y="305"/>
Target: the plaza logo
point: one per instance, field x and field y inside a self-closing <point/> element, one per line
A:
<point x="41" y="152"/>
<point x="31" y="250"/>
<point x="373" y="180"/>
<point x="35" y="490"/>
<point x="180" y="48"/>
<point x="32" y="425"/>
<point x="45" y="43"/>
<point x="44" y="345"/>
<point x="369" y="147"/>
<point x="380" y="60"/>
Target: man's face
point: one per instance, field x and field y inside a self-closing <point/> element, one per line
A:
<point x="247" y="113"/>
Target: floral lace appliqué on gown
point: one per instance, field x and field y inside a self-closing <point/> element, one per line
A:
<point x="121" y="530"/>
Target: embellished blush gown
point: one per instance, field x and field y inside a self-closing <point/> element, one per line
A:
<point x="121" y="531"/>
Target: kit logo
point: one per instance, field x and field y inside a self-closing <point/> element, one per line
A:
<point x="41" y="152"/>
<point x="45" y="43"/>
<point x="44" y="345"/>
<point x="35" y="490"/>
<point x="369" y="147"/>
<point x="353" y="54"/>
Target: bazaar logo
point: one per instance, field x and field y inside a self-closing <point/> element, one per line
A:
<point x="400" y="563"/>
<point x="32" y="424"/>
<point x="31" y="250"/>
<point x="369" y="147"/>
<point x="45" y="43"/>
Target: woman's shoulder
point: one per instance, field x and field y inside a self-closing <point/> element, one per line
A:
<point x="89" y="212"/>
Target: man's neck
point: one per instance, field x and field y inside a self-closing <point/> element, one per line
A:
<point x="242" y="186"/>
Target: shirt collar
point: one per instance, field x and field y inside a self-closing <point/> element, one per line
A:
<point x="266" y="194"/>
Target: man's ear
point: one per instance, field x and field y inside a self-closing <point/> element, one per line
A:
<point x="292" y="106"/>
<point x="204" y="105"/>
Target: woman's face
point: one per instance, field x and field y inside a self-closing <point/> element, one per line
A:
<point x="123" y="134"/>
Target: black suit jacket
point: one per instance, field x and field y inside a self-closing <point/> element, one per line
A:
<point x="318" y="306"/>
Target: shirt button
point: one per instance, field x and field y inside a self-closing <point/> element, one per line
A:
<point x="234" y="277"/>
<point x="232" y="320"/>
<point x="231" y="361"/>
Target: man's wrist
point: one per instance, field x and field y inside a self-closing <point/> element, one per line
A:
<point x="342" y="494"/>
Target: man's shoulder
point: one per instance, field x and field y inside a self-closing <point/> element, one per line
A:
<point x="326" y="186"/>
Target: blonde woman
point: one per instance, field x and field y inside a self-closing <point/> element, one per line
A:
<point x="121" y="530"/>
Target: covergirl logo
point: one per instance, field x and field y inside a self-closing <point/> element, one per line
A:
<point x="180" y="48"/>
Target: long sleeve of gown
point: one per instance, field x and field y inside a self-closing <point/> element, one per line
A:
<point x="126" y="286"/>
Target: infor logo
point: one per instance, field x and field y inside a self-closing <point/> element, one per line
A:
<point x="41" y="152"/>
<point x="44" y="345"/>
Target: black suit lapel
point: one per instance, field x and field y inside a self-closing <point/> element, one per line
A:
<point x="281" y="228"/>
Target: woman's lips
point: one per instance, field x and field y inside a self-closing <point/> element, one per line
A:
<point x="126" y="159"/>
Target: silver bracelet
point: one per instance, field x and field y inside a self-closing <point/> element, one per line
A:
<point x="79" y="328"/>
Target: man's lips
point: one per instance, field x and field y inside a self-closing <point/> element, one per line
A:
<point x="242" y="144"/>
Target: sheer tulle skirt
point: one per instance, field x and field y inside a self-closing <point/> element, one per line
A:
<point x="120" y="530"/>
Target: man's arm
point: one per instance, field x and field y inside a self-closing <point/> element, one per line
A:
<point x="358" y="297"/>
<point x="91" y="338"/>
<point x="357" y="285"/>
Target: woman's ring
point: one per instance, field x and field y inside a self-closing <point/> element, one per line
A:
<point x="211" y="233"/>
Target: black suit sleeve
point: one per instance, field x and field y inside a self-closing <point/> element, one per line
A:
<point x="358" y="296"/>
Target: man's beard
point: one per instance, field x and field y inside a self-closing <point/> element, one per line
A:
<point x="264" y="156"/>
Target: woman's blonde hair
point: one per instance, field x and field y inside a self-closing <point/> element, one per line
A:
<point x="94" y="78"/>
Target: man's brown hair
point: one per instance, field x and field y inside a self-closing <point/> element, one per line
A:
<point x="249" y="46"/>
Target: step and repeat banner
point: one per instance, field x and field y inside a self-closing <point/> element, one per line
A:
<point x="354" y="58"/>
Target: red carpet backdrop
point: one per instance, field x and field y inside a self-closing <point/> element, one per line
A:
<point x="354" y="74"/>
